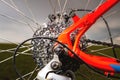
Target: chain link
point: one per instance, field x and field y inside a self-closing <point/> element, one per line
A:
<point x="102" y="43"/>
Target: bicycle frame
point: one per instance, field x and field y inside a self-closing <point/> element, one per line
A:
<point x="108" y="65"/>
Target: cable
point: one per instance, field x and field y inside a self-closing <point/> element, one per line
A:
<point x="14" y="55"/>
<point x="106" y="23"/>
<point x="110" y="36"/>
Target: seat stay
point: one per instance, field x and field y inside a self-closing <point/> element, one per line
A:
<point x="83" y="24"/>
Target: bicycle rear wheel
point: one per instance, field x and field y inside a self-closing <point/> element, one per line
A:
<point x="21" y="19"/>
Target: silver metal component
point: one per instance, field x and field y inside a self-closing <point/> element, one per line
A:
<point x="43" y="74"/>
<point x="42" y="48"/>
<point x="53" y="76"/>
<point x="55" y="65"/>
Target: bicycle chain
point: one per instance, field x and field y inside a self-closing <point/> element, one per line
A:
<point x="102" y="43"/>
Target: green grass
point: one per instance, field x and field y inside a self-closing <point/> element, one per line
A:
<point x="26" y="64"/>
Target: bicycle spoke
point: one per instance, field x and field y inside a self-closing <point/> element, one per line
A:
<point x="64" y="6"/>
<point x="12" y="49"/>
<point x="105" y="55"/>
<point x="13" y="3"/>
<point x="60" y="7"/>
<point x="94" y="73"/>
<point x="29" y="73"/>
<point x="7" y="41"/>
<point x="7" y="59"/>
<point x="29" y="9"/>
<point x="53" y="7"/>
<point x="112" y="13"/>
<point x="92" y="76"/>
<point x="23" y="52"/>
<point x="63" y="9"/>
<point x="113" y="36"/>
<point x="13" y="7"/>
<point x="86" y="6"/>
<point x="84" y="75"/>
<point x="15" y="43"/>
<point x="19" y="21"/>
<point x="101" y="1"/>
<point x="101" y="49"/>
<point x="24" y="75"/>
<point x="9" y="17"/>
<point x="32" y="72"/>
<point x="21" y="14"/>
<point x="16" y="9"/>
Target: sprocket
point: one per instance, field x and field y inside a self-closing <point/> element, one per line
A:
<point x="42" y="49"/>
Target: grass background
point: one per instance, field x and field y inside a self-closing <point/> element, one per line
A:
<point x="26" y="64"/>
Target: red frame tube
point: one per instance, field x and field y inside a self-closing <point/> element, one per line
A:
<point x="83" y="24"/>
